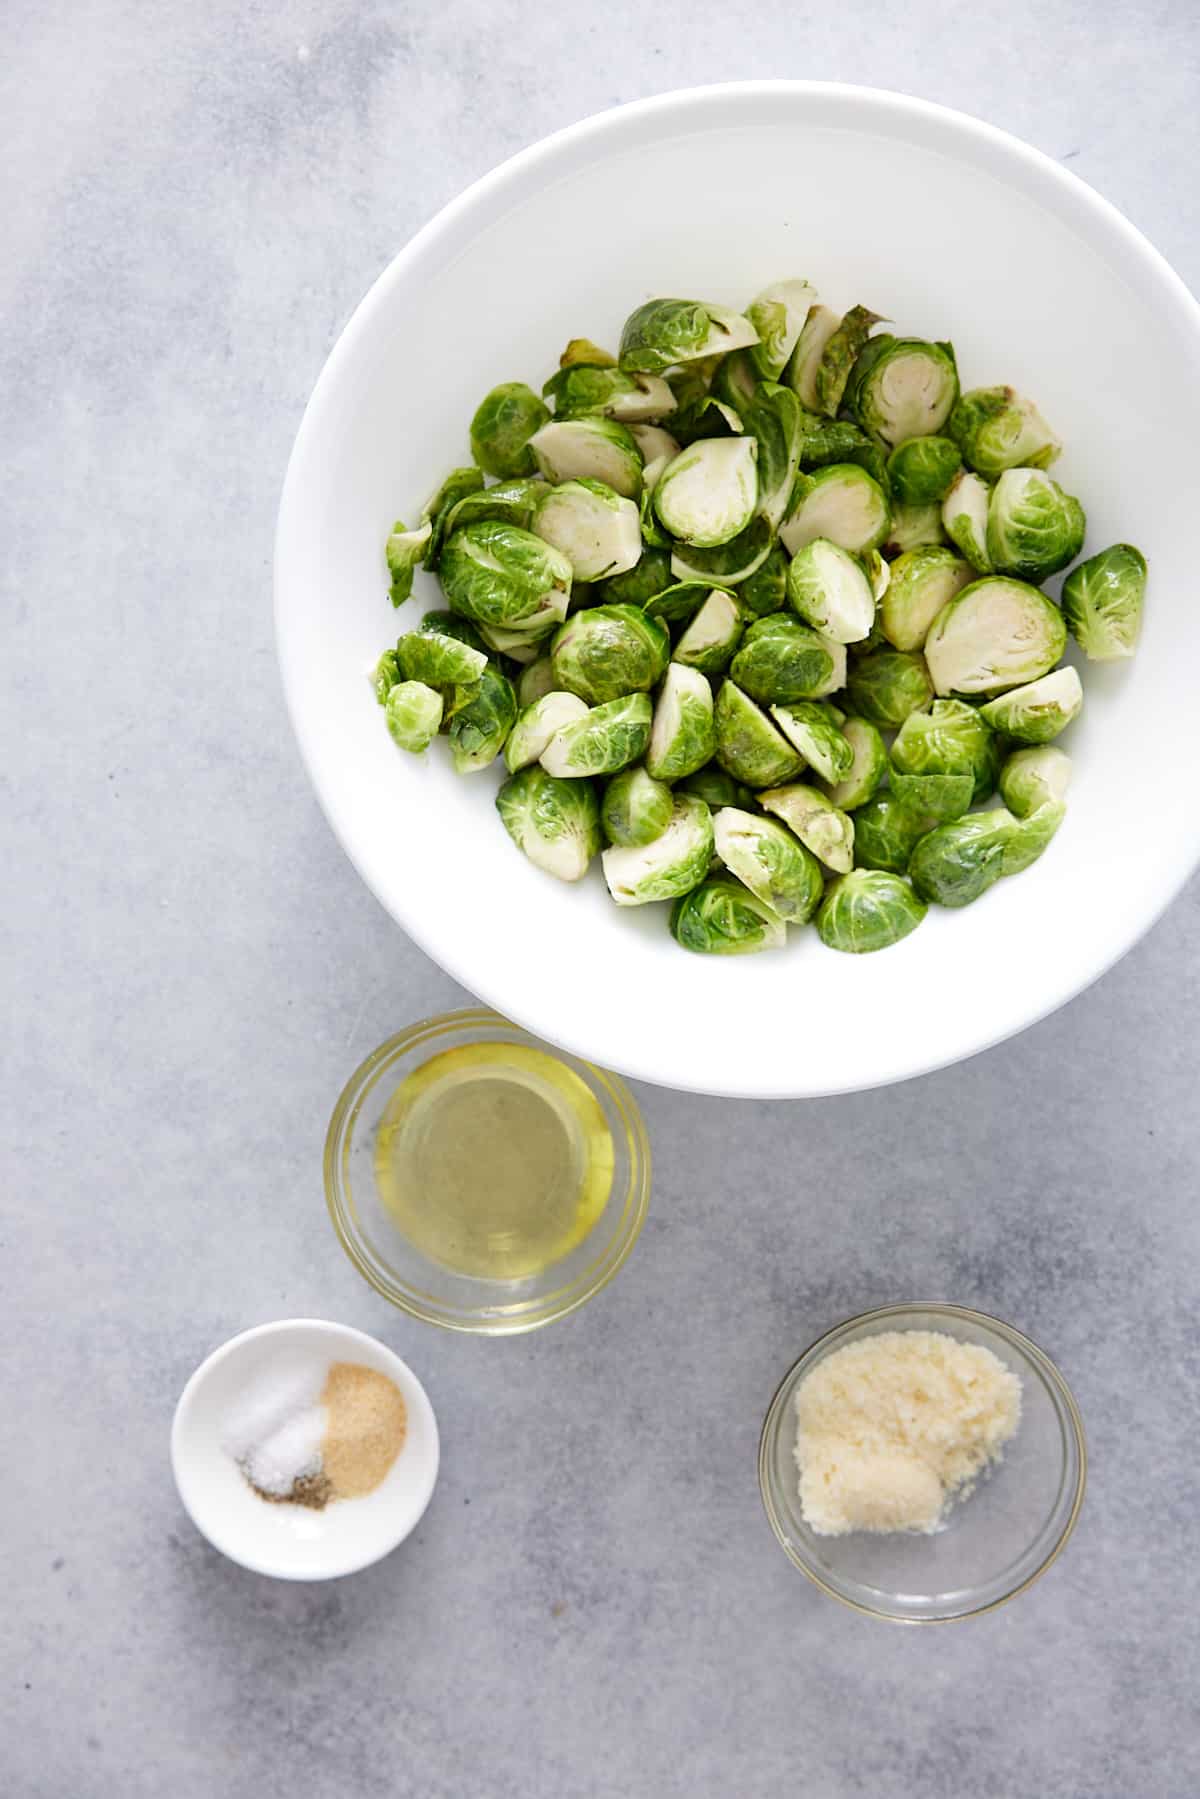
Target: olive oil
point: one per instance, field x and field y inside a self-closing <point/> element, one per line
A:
<point x="494" y="1160"/>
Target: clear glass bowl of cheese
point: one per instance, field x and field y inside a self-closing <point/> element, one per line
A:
<point x="991" y="1542"/>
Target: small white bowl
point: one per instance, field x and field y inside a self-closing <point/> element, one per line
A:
<point x="293" y="1542"/>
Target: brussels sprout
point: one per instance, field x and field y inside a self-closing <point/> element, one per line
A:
<point x="1102" y="601"/>
<point x="677" y="601"/>
<point x="774" y="421"/>
<point x="820" y="825"/>
<point x="638" y="586"/>
<point x="811" y="729"/>
<point x="459" y="483"/>
<point x="1030" y="836"/>
<point x="498" y="574"/>
<point x="707" y="496"/>
<point x="912" y="528"/>
<point x="509" y="502"/>
<point x="662" y="333"/>
<point x="609" y="651"/>
<point x="957" y="862"/>
<point x="537" y="724"/>
<point x="830" y="590"/>
<point x="748" y="745"/>
<point x="504" y="422"/>
<point x="766" y="590"/>
<point x="1034" y="778"/>
<point x="581" y="352"/>
<point x="385" y="675"/>
<point x="840" y="503"/>
<point x="480" y="730"/>
<point x="555" y="823"/>
<point x="671" y="864"/>
<point x="996" y="633"/>
<point x="952" y="738"/>
<point x="996" y="429"/>
<point x="838" y="666"/>
<point x="705" y="416"/>
<point x="868" y="910"/>
<point x="886" y="685"/>
<point x="1038" y="712"/>
<point x="404" y="550"/>
<point x="413" y="713"/>
<point x="823" y="441"/>
<point x="773" y="864"/>
<point x="841" y="352"/>
<point x="921" y="469"/>
<point x="1033" y="527"/>
<point x="606" y="738"/>
<point x="730" y="562"/>
<point x="439" y="661"/>
<point x="778" y="315"/>
<point x="597" y="531"/>
<point x="935" y="799"/>
<point x="735" y="379"/>
<point x="658" y="448"/>
<point x="867" y="768"/>
<point x="536" y="681"/>
<point x="636" y="808"/>
<point x="805" y="361"/>
<point x="781" y="660"/>
<point x="593" y="449"/>
<point x="904" y="388"/>
<point x="580" y="391"/>
<point x="887" y="830"/>
<point x="713" y="634"/>
<point x="723" y="918"/>
<point x="712" y="785"/>
<point x="923" y="581"/>
<point x="684" y="736"/>
<point x="965" y="517"/>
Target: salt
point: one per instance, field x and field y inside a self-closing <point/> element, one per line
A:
<point x="289" y="1454"/>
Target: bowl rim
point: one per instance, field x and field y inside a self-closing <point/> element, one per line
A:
<point x="1050" y="1373"/>
<point x="1044" y="177"/>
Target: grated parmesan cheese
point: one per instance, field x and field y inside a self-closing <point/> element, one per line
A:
<point x="892" y="1428"/>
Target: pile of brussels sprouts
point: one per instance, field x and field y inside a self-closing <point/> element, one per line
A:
<point x="754" y="610"/>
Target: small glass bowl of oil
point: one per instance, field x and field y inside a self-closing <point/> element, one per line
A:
<point x="481" y="1180"/>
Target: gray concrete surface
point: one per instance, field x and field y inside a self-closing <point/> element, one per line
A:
<point x="196" y="196"/>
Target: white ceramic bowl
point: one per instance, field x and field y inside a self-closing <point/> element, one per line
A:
<point x="955" y="230"/>
<point x="293" y="1542"/>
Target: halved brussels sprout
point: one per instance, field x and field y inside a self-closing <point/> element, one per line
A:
<point x="413" y="713"/>
<point x="810" y="728"/>
<point x="730" y="562"/>
<point x="683" y="737"/>
<point x="965" y="517"/>
<point x="766" y="590"/>
<point x="887" y="830"/>
<point x="820" y="825"/>
<point x="957" y="862"/>
<point x="867" y="911"/>
<point x="636" y="808"/>
<point x="934" y="799"/>
<point x="504" y="422"/>
<point x="885" y="686"/>
<point x="1034" y="778"/>
<point x="904" y="387"/>
<point x="536" y="681"/>
<point x="498" y="574"/>
<point x="592" y="449"/>
<point x="773" y="864"/>
<point x="459" y="484"/>
<point x="598" y="532"/>
<point x="678" y="601"/>
<point x="707" y="496"/>
<point x="479" y="730"/>
<point x="831" y="591"/>
<point x="509" y="503"/>
<point x="840" y="503"/>
<point x="912" y="528"/>
<point x="952" y="738"/>
<point x="1040" y="711"/>
<point x="538" y="724"/>
<point x="385" y="675"/>
<point x="439" y="661"/>
<point x="778" y="315"/>
<point x="748" y="745"/>
<point x="556" y="823"/>
<point x="780" y="660"/>
<point x="923" y="581"/>
<point x="404" y="550"/>
<point x="723" y="918"/>
<point x="774" y="419"/>
<point x="996" y="633"/>
<point x="639" y="585"/>
<point x="842" y="350"/>
<point x="1033" y="527"/>
<point x="580" y="391"/>
<point x="1030" y="836"/>
<point x="608" y="737"/>
<point x="921" y="469"/>
<point x="805" y="361"/>
<point x="662" y="333"/>
<point x="716" y="788"/>
<point x="867" y="768"/>
<point x="671" y="864"/>
<point x="609" y="651"/>
<point x="996" y="429"/>
<point x="713" y="635"/>
<point x="1102" y="601"/>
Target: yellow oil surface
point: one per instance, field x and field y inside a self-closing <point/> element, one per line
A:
<point x="494" y="1160"/>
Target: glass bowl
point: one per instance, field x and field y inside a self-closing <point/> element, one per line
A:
<point x="414" y="1281"/>
<point x="995" y="1543"/>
